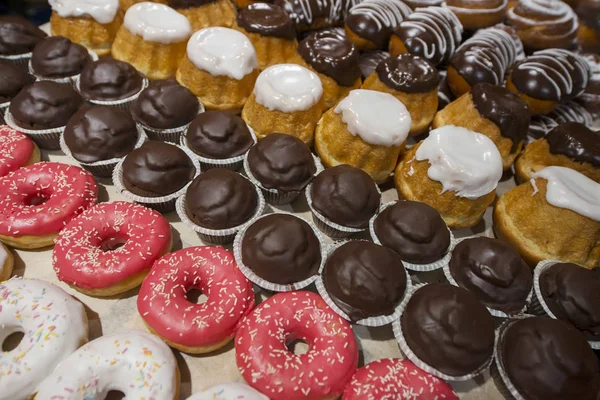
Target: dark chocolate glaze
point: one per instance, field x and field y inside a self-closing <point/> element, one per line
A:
<point x="590" y="99"/>
<point x="100" y="133"/>
<point x="310" y="13"/>
<point x="332" y="54"/>
<point x="494" y="272"/>
<point x="57" y="57"/>
<point x="575" y="141"/>
<point x="505" y="109"/>
<point x="282" y="162"/>
<point x="448" y="329"/>
<point x="219" y="135"/>
<point x="109" y="79"/>
<point x="345" y="195"/>
<point x="548" y="359"/>
<point x="18" y="35"/>
<point x="364" y="279"/>
<point x="188" y="3"/>
<point x="408" y="73"/>
<point x="282" y="249"/>
<point x="157" y="169"/>
<point x="588" y="12"/>
<point x="414" y="230"/>
<point x="165" y="104"/>
<point x="45" y="105"/>
<point x="267" y="20"/>
<point x="13" y="78"/>
<point x="220" y="199"/>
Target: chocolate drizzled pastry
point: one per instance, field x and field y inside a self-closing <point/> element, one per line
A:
<point x="188" y="3"/>
<point x="448" y="329"/>
<point x="364" y="279"/>
<point x="346" y="196"/>
<point x="218" y="135"/>
<point x="566" y="112"/>
<point x="575" y="141"/>
<point x="494" y="272"/>
<point x="330" y="53"/>
<point x="267" y="20"/>
<point x="220" y="199"/>
<point x="408" y="73"/>
<point x="157" y="169"/>
<point x="13" y="78"/>
<point x="369" y="60"/>
<point x="45" y="105"/>
<point x="282" y="249"/>
<point x="311" y="14"/>
<point x="414" y="4"/>
<point x="18" y="35"/>
<point x="58" y="57"/>
<point x="547" y="359"/>
<point x="108" y="79"/>
<point x="590" y="99"/>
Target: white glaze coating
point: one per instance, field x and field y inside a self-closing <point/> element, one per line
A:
<point x="378" y="118"/>
<point x="385" y="13"/>
<point x="288" y="88"/>
<point x="103" y="11"/>
<point x="572" y="190"/>
<point x="229" y="391"/>
<point x="157" y="23"/>
<point x="222" y="51"/>
<point x="463" y="161"/>
<point x="54" y="325"/>
<point x="136" y="363"/>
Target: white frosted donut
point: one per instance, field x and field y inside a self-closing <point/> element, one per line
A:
<point x="288" y="88"/>
<point x="229" y="391"/>
<point x="53" y="324"/>
<point x="103" y="11"/>
<point x="222" y="51"/>
<point x="157" y="23"/>
<point x="136" y="363"/>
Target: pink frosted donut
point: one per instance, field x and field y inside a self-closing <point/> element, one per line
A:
<point x="190" y="327"/>
<point x="393" y="378"/>
<point x="16" y="150"/>
<point x="109" y="248"/>
<point x="266" y="363"/>
<point x="38" y="200"/>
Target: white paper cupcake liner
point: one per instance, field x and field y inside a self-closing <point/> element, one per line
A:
<point x="263" y="283"/>
<point x="163" y="204"/>
<point x="122" y="103"/>
<point x="17" y="59"/>
<point x="3" y="108"/>
<point x="410" y="266"/>
<point x="103" y="168"/>
<point x="172" y="135"/>
<point x="47" y="139"/>
<point x="68" y="80"/>
<point x="399" y="334"/>
<point x="217" y="236"/>
<point x="380" y="320"/>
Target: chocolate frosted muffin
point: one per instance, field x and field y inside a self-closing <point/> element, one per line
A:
<point x="218" y="135"/>
<point x="99" y="133"/>
<point x="157" y="169"/>
<point x="220" y="199"/>
<point x="282" y="249"/>
<point x="109" y="80"/>
<point x="364" y="279"/>
<point x="18" y="36"/>
<point x="448" y="329"/>
<point x="575" y="141"/>
<point x="414" y="230"/>
<point x="12" y="80"/>
<point x="493" y="271"/>
<point x="267" y="20"/>
<point x="58" y="57"/>
<point x="547" y="359"/>
<point x="408" y="73"/>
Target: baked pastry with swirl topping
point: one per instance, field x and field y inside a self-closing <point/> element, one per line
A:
<point x="477" y="14"/>
<point x="414" y="4"/>
<point x="568" y="112"/>
<point x="588" y="35"/>
<point x="590" y="99"/>
<point x="315" y="14"/>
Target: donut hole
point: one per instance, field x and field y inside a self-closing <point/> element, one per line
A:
<point x="297" y="346"/>
<point x="114" y="395"/>
<point x="195" y="295"/>
<point x="37" y="199"/>
<point x="12" y="341"/>
<point x="112" y="244"/>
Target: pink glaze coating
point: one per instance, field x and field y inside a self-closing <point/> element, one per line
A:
<point x="80" y="255"/>
<point x="40" y="199"/>
<point x="15" y="149"/>
<point x="163" y="304"/>
<point x="396" y="379"/>
<point x="266" y="363"/>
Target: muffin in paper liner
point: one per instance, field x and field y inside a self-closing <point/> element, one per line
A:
<point x="217" y="236"/>
<point x="410" y="266"/>
<point x="380" y="320"/>
<point x="123" y="103"/>
<point x="263" y="283"/>
<point x="163" y="204"/>
<point x="47" y="139"/>
<point x="399" y="335"/>
<point x="69" y="80"/>
<point x="102" y="168"/>
<point x="172" y="135"/>
<point x="16" y="59"/>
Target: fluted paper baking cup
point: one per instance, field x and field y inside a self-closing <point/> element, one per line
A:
<point x="263" y="283"/>
<point x="17" y="59"/>
<point x="47" y="139"/>
<point x="172" y="135"/>
<point x="3" y="108"/>
<point x="67" y="80"/>
<point x="122" y="103"/>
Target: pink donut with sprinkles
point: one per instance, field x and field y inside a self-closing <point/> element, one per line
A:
<point x="109" y="248"/>
<point x="396" y="379"/>
<point x="16" y="150"/>
<point x="270" y="367"/>
<point x="183" y="324"/>
<point x="38" y="200"/>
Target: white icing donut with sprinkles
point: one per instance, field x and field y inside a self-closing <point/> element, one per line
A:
<point x="53" y="324"/>
<point x="229" y="391"/>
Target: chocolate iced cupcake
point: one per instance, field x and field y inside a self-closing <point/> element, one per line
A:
<point x="13" y="78"/>
<point x="58" y="59"/>
<point x="18" y="37"/>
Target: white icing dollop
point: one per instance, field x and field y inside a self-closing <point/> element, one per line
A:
<point x="222" y="51"/>
<point x="463" y="161"/>
<point x="157" y="23"/>
<point x="378" y="118"/>
<point x="288" y="88"/>
<point x="572" y="190"/>
<point x="229" y="391"/>
<point x="103" y="11"/>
